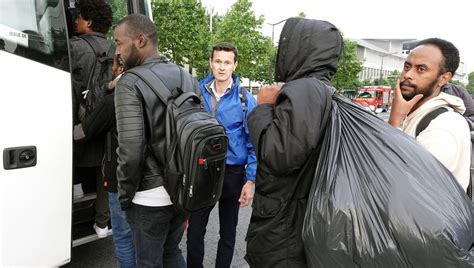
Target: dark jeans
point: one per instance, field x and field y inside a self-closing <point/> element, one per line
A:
<point x="157" y="232"/>
<point x="91" y="179"/>
<point x="228" y="219"/>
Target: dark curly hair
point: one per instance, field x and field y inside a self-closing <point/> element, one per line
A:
<point x="450" y="53"/>
<point x="99" y="12"/>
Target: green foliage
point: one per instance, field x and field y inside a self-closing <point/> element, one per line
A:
<point x="119" y="10"/>
<point x="183" y="30"/>
<point x="457" y="83"/>
<point x="470" y="85"/>
<point x="349" y="68"/>
<point x="241" y="27"/>
<point x="392" y="78"/>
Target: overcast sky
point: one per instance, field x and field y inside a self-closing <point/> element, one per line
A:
<point x="418" y="19"/>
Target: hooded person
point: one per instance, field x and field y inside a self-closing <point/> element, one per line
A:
<point x="286" y="129"/>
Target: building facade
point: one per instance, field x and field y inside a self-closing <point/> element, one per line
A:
<point x="380" y="57"/>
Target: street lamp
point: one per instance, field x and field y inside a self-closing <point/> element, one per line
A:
<point x="273" y="27"/>
<point x="273" y="42"/>
<point x="381" y="66"/>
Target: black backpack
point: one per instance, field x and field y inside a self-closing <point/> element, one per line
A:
<point x="196" y="145"/>
<point x="99" y="77"/>
<point x="423" y="124"/>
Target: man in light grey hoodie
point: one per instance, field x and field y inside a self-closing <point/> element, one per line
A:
<point x="427" y="69"/>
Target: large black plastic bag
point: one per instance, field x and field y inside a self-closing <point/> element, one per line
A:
<point x="379" y="199"/>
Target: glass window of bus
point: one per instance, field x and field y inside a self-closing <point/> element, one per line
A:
<point x="145" y="8"/>
<point x="35" y="29"/>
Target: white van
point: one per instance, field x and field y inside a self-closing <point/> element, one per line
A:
<point x="37" y="225"/>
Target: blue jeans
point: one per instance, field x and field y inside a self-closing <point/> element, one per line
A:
<point x="157" y="232"/>
<point x="122" y="234"/>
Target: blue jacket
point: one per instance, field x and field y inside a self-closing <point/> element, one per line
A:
<point x="230" y="114"/>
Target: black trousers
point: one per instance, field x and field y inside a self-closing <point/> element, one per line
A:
<point x="234" y="180"/>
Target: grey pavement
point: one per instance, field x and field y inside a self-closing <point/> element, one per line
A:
<point x="100" y="253"/>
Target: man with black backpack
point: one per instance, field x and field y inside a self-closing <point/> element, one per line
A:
<point x="418" y="96"/>
<point x="92" y="57"/>
<point x="142" y="143"/>
<point x="230" y="104"/>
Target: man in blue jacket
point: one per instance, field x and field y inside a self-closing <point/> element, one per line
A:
<point x="229" y="104"/>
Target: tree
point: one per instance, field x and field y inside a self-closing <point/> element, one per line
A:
<point x="470" y="85"/>
<point x="119" y="11"/>
<point x="393" y="77"/>
<point x="457" y="83"/>
<point x="349" y="67"/>
<point x="183" y="31"/>
<point x="241" y="27"/>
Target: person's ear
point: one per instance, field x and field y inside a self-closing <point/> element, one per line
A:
<point x="444" y="79"/>
<point x="235" y="65"/>
<point x="141" y="41"/>
<point x="89" y="24"/>
<point x="120" y="69"/>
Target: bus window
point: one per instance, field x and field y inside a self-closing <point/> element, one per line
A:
<point x="145" y="8"/>
<point x="35" y="29"/>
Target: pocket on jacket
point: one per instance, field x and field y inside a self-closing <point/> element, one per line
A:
<point x="265" y="207"/>
<point x="267" y="225"/>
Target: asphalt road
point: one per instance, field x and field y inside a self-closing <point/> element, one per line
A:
<point x="100" y="253"/>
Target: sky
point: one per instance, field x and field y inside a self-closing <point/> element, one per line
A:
<point x="403" y="19"/>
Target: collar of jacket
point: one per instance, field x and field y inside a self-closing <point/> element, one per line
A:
<point x="96" y="34"/>
<point x="112" y="84"/>
<point x="206" y="82"/>
<point x="155" y="59"/>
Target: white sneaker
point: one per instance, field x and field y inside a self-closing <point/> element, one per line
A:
<point x="78" y="193"/>
<point x="101" y="232"/>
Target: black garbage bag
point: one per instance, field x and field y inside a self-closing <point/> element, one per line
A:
<point x="379" y="199"/>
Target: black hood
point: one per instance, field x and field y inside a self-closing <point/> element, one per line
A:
<point x="308" y="48"/>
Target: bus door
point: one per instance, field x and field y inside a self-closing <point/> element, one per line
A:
<point x="36" y="130"/>
<point x="35" y="136"/>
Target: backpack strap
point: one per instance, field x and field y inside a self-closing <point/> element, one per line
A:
<point x="243" y="98"/>
<point x="153" y="81"/>
<point x="426" y="120"/>
<point x="94" y="45"/>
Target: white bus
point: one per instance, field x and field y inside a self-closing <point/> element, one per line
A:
<point x="39" y="222"/>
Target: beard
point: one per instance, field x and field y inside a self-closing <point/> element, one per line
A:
<point x="133" y="60"/>
<point x="426" y="91"/>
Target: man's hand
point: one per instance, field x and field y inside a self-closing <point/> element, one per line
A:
<point x="268" y="94"/>
<point x="400" y="107"/>
<point x="246" y="195"/>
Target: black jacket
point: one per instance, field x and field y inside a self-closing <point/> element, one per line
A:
<point x="140" y="128"/>
<point x="287" y="140"/>
<point x="101" y="123"/>
<point x="87" y="154"/>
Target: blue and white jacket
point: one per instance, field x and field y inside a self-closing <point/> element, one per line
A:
<point x="230" y="114"/>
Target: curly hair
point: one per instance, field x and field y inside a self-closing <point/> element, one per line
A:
<point x="450" y="62"/>
<point x="99" y="12"/>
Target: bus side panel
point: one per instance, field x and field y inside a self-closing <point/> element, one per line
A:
<point x="35" y="202"/>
